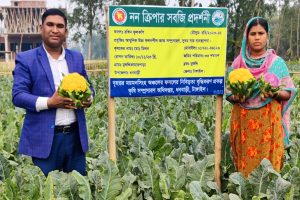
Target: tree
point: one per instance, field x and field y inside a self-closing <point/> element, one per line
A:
<point x="142" y="2"/>
<point x="239" y="12"/>
<point x="84" y="19"/>
<point x="297" y="31"/>
<point x="287" y="28"/>
<point x="98" y="45"/>
<point x="280" y="22"/>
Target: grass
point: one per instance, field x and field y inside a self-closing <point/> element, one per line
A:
<point x="294" y="67"/>
<point x="6" y="67"/>
<point x="90" y="65"/>
<point x="95" y="65"/>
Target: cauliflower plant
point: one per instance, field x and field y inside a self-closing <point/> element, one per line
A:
<point x="76" y="87"/>
<point x="241" y="82"/>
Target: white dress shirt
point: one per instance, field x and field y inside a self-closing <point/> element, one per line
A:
<point x="59" y="68"/>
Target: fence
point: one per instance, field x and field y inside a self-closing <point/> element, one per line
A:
<point x="92" y="67"/>
<point x="96" y="66"/>
<point x="6" y="67"/>
<point x="295" y="74"/>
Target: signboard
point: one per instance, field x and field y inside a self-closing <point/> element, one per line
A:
<point x="159" y="51"/>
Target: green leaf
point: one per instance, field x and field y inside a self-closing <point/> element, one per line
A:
<point x="227" y="162"/>
<point x="64" y="184"/>
<point x="95" y="179"/>
<point x="188" y="160"/>
<point x="279" y="189"/>
<point x="149" y="177"/>
<point x="196" y="191"/>
<point x="178" y="153"/>
<point x="32" y="182"/>
<point x="83" y="185"/>
<point x="216" y="197"/>
<point x="48" y="190"/>
<point x="128" y="179"/>
<point x="261" y="177"/>
<point x="10" y="190"/>
<point x="164" y="151"/>
<point x="4" y="169"/>
<point x="293" y="176"/>
<point x="203" y="148"/>
<point x="295" y="153"/>
<point x="202" y="171"/>
<point x="213" y="185"/>
<point x="111" y="180"/>
<point x="169" y="132"/>
<point x="234" y="197"/>
<point x="238" y="184"/>
<point x="176" y="173"/>
<point x="153" y="140"/>
<point x="125" y="195"/>
<point x="138" y="144"/>
<point x="190" y="128"/>
<point x="179" y="195"/>
<point x="164" y="186"/>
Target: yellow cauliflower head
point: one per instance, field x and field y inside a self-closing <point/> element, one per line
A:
<point x="74" y="82"/>
<point x="241" y="74"/>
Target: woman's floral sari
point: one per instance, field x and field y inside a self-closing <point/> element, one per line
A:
<point x="259" y="129"/>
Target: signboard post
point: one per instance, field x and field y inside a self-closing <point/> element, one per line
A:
<point x="164" y="51"/>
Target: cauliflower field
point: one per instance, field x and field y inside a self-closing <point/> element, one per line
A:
<point x="165" y="150"/>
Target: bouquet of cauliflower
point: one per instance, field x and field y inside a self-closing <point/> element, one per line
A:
<point x="269" y="82"/>
<point x="241" y="82"/>
<point x="76" y="87"/>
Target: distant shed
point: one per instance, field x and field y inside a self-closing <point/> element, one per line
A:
<point x="19" y="27"/>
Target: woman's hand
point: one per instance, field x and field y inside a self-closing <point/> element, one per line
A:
<point x="237" y="98"/>
<point x="281" y="95"/>
<point x="270" y="94"/>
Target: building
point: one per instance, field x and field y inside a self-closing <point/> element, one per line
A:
<point x="19" y="26"/>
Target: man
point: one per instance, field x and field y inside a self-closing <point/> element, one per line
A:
<point x="54" y="132"/>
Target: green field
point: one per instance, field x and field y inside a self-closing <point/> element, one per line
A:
<point x="165" y="150"/>
<point x="294" y="66"/>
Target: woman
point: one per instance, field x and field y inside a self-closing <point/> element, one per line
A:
<point x="260" y="125"/>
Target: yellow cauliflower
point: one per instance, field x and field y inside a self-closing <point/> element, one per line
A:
<point x="76" y="87"/>
<point x="241" y="82"/>
<point x="240" y="75"/>
<point x="73" y="82"/>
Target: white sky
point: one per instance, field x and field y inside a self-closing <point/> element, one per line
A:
<point x="50" y="3"/>
<point x="62" y="3"/>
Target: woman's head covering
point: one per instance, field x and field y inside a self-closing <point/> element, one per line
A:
<point x="245" y="49"/>
<point x="256" y="66"/>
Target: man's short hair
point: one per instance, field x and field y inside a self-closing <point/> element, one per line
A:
<point x="54" y="11"/>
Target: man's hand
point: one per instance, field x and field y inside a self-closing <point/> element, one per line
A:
<point x="87" y="103"/>
<point x="57" y="101"/>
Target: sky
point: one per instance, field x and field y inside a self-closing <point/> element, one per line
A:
<point x="62" y="3"/>
<point x="50" y="3"/>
